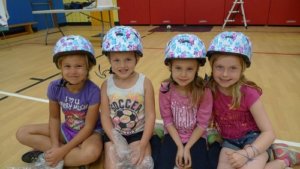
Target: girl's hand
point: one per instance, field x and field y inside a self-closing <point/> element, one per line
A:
<point x="138" y="154"/>
<point x="54" y="155"/>
<point x="237" y="159"/>
<point x="187" y="158"/>
<point x="179" y="157"/>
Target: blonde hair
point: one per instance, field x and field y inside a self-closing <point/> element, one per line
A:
<point x="235" y="88"/>
<point x="195" y="89"/>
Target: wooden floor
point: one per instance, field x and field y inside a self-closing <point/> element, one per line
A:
<point x="26" y="69"/>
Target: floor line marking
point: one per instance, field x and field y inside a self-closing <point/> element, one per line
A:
<point x="24" y="97"/>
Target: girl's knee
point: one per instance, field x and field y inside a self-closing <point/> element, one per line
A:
<point x="21" y="134"/>
<point x="92" y="153"/>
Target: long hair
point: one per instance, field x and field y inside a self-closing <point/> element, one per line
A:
<point x="235" y="88"/>
<point x="195" y="89"/>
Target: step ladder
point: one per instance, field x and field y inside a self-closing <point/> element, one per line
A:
<point x="237" y="7"/>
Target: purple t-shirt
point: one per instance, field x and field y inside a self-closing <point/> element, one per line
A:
<point x="235" y="123"/>
<point x="74" y="105"/>
<point x="176" y="109"/>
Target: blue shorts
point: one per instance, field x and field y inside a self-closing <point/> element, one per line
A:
<point x="237" y="144"/>
<point x="249" y="138"/>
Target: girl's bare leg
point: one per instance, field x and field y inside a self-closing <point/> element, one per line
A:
<point x="88" y="152"/>
<point x="276" y="164"/>
<point x="35" y="136"/>
<point x="110" y="157"/>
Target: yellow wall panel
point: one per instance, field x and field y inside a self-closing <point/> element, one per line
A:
<point x="76" y="17"/>
<point x="105" y="15"/>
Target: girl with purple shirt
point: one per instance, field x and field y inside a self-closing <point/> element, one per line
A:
<point x="238" y="109"/>
<point x="77" y="140"/>
<point x="185" y="105"/>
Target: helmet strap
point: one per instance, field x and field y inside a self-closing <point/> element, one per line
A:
<point x="63" y="83"/>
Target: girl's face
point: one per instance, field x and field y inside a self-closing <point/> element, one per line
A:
<point x="184" y="71"/>
<point x="74" y="69"/>
<point x="227" y="70"/>
<point x="123" y="64"/>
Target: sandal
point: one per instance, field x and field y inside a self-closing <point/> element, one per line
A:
<point x="31" y="156"/>
<point x="283" y="152"/>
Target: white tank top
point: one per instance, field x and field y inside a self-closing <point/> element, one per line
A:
<point x="127" y="106"/>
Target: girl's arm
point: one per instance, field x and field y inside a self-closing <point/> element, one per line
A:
<point x="203" y="117"/>
<point x="149" y="112"/>
<point x="261" y="144"/>
<point x="105" y="112"/>
<point x="54" y="123"/>
<point x="149" y="119"/>
<point x="166" y="115"/>
<point x="180" y="148"/>
<point x="55" y="154"/>
<point x="267" y="135"/>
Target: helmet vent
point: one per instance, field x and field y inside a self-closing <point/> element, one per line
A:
<point x="119" y="34"/>
<point x="231" y="37"/>
<point x="185" y="41"/>
<point x="70" y="38"/>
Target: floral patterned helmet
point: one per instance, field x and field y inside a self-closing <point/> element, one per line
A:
<point x="233" y="43"/>
<point x="73" y="44"/>
<point x="185" y="46"/>
<point x="122" y="39"/>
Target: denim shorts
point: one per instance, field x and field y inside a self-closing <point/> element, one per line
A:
<point x="237" y="144"/>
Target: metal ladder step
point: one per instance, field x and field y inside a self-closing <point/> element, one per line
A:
<point x="233" y="11"/>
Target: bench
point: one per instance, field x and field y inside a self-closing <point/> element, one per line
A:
<point x="27" y="27"/>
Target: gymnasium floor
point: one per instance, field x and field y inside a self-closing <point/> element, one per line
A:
<point x="26" y="69"/>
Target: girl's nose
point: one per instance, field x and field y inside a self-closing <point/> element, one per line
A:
<point x="225" y="72"/>
<point x="183" y="73"/>
<point x="122" y="64"/>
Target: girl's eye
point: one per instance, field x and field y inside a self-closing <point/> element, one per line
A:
<point x="178" y="68"/>
<point x="219" y="67"/>
<point x="66" y="66"/>
<point x="79" y="66"/>
<point x="190" y="69"/>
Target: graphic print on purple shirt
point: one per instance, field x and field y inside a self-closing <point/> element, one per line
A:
<point x="75" y="119"/>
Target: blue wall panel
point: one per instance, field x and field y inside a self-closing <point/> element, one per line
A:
<point x="20" y="11"/>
